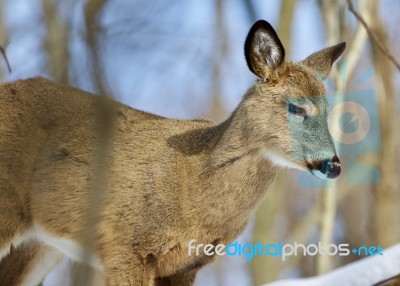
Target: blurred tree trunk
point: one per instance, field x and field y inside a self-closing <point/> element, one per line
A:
<point x="285" y="25"/>
<point x="56" y="42"/>
<point x="93" y="30"/>
<point x="355" y="208"/>
<point x="56" y="45"/>
<point x="386" y="202"/>
<point x="265" y="228"/>
<point x="3" y="39"/>
<point x="217" y="111"/>
<point x="83" y="274"/>
<point x="332" y="13"/>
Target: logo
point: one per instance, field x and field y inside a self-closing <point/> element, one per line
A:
<point x="248" y="251"/>
<point x="353" y="122"/>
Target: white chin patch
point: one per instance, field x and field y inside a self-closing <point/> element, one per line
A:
<point x="318" y="174"/>
<point x="281" y="161"/>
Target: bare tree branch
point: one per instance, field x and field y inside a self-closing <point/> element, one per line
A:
<point x="3" y="35"/>
<point x="4" y="55"/>
<point x="251" y="10"/>
<point x="373" y="35"/>
<point x="390" y="281"/>
<point x="358" y="42"/>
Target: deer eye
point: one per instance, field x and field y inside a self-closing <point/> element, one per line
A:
<point x="296" y="110"/>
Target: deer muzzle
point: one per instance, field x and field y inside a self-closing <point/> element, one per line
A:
<point x="331" y="168"/>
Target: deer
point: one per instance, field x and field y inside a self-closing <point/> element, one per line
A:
<point x="168" y="181"/>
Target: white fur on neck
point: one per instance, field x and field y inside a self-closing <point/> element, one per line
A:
<point x="281" y="161"/>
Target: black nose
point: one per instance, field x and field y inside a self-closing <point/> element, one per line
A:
<point x="331" y="168"/>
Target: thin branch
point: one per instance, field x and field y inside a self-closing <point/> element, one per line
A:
<point x="4" y="55"/>
<point x="357" y="43"/>
<point x="390" y="281"/>
<point x="251" y="10"/>
<point x="373" y="35"/>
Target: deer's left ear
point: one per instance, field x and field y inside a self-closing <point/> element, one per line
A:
<point x="322" y="61"/>
<point x="263" y="50"/>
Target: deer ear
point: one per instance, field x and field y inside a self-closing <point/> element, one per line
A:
<point x="263" y="49"/>
<point x="322" y="61"/>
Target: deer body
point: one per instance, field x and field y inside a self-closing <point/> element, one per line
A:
<point x="57" y="206"/>
<point x="168" y="181"/>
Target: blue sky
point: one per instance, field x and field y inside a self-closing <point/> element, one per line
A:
<point x="159" y="58"/>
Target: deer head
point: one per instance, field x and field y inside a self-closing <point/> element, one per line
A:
<point x="289" y="109"/>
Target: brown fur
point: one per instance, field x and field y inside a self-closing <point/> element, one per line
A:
<point x="28" y="264"/>
<point x="169" y="181"/>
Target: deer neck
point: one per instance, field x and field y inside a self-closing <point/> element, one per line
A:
<point x="235" y="173"/>
<point x="233" y="146"/>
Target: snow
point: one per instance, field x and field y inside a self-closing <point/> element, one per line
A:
<point x="366" y="271"/>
